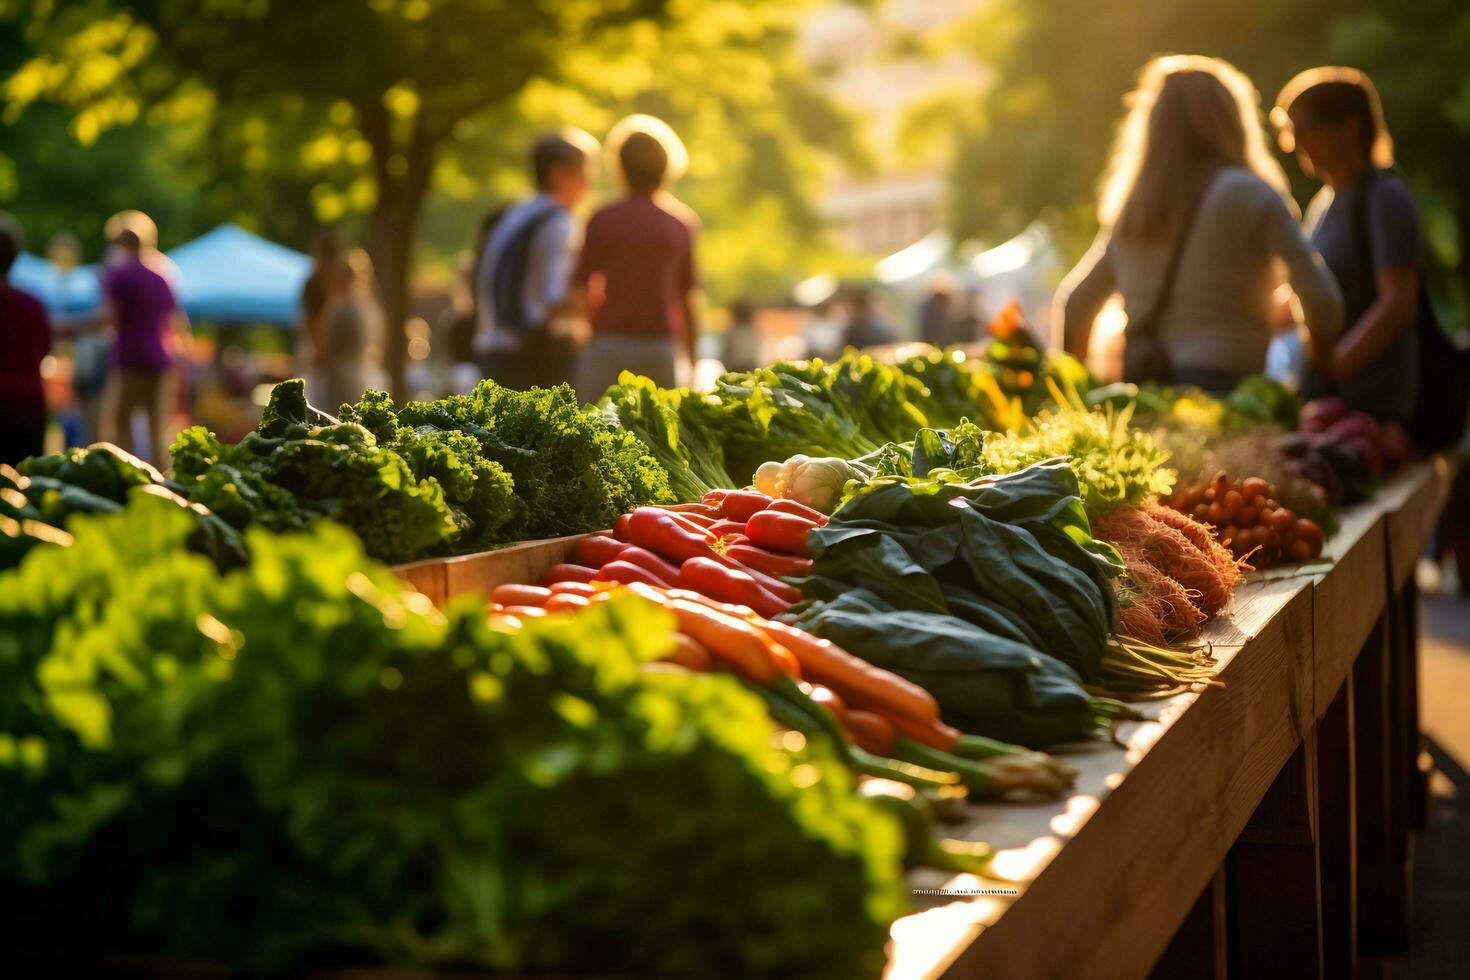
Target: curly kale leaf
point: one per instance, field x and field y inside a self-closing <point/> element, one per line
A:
<point x="289" y="412"/>
<point x="573" y="468"/>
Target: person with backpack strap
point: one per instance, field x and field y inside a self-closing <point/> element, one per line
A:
<point x="1393" y="360"/>
<point x="524" y="267"/>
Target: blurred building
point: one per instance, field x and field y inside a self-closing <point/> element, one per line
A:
<point x="883" y="60"/>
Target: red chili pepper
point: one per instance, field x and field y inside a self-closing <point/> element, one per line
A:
<point x="620" y="527"/>
<point x="776" y="587"/>
<point x="698" y="508"/>
<point x="627" y="573"/>
<point x="709" y="577"/>
<point x="726" y="528"/>
<point x="714" y="498"/>
<point x="597" y="550"/>
<point x="769" y="562"/>
<point x="688" y="517"/>
<point x="785" y="506"/>
<point x="740" y="505"/>
<point x="780" y="532"/>
<point x="568" y="573"/>
<point x="648" y="561"/>
<point x="661" y="533"/>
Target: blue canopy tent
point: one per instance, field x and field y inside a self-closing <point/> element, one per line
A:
<point x="64" y="294"/>
<point x="230" y="274"/>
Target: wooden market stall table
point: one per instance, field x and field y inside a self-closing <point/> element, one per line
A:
<point x="1230" y="805"/>
<point x="1257" y="827"/>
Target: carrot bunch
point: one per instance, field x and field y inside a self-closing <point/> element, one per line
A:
<point x="885" y="725"/>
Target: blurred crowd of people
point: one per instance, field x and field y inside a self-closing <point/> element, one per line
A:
<point x="551" y="299"/>
<point x="125" y="357"/>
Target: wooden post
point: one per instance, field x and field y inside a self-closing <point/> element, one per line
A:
<point x="1337" y="836"/>
<point x="1418" y="802"/>
<point x="1382" y="902"/>
<point x="1274" y="897"/>
<point x="1198" y="949"/>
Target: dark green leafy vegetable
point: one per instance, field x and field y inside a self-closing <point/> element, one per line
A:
<point x="985" y="682"/>
<point x="572" y="467"/>
<point x="1013" y="554"/>
<point x="99" y="480"/>
<point x="359" y="777"/>
<point x="291" y="471"/>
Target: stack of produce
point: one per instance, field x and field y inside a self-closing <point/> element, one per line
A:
<point x="362" y="778"/>
<point x="38" y="500"/>
<point x="1342" y="451"/>
<point x="1250" y="521"/>
<point x="1001" y="600"/>
<point x="459" y="474"/>
<point x="658" y="417"/>
<point x="734" y="547"/>
<point x="1178" y="574"/>
<point x="883" y="725"/>
<point x="847" y="409"/>
<point x="1114" y="463"/>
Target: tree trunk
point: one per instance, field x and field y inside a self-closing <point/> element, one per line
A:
<point x="390" y="242"/>
<point x="403" y="183"/>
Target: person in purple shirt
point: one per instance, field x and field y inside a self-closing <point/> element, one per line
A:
<point x="142" y="308"/>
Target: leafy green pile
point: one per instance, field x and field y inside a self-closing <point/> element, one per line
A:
<point x="1113" y="462"/>
<point x="460" y="474"/>
<point x="39" y="498"/>
<point x="299" y="763"/>
<point x="955" y="455"/>
<point x="998" y="389"/>
<point x="572" y="468"/>
<point x="848" y="409"/>
<point x="300" y="465"/>
<point x="657" y="416"/>
<point x="1024" y="594"/>
<point x="1260" y="399"/>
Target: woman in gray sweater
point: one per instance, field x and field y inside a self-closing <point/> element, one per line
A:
<point x="1191" y="172"/>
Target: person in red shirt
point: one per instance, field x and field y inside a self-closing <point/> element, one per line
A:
<point x="636" y="276"/>
<point x="25" y="335"/>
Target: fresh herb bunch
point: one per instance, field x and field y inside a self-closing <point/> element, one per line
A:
<point x="1113" y="462"/>
<point x="300" y="763"/>
<point x="693" y="460"/>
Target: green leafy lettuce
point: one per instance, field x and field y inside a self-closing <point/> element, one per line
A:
<point x="298" y="762"/>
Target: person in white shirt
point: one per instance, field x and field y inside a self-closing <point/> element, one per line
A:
<point x="524" y="270"/>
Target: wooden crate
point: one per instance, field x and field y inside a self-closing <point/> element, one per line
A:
<point x="441" y="579"/>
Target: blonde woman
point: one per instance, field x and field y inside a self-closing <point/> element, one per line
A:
<point x="1198" y="231"/>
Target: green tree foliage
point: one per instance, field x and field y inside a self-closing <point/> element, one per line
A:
<point x="383" y="107"/>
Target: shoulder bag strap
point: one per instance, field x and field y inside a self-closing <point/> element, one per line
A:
<point x="1148" y="324"/>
